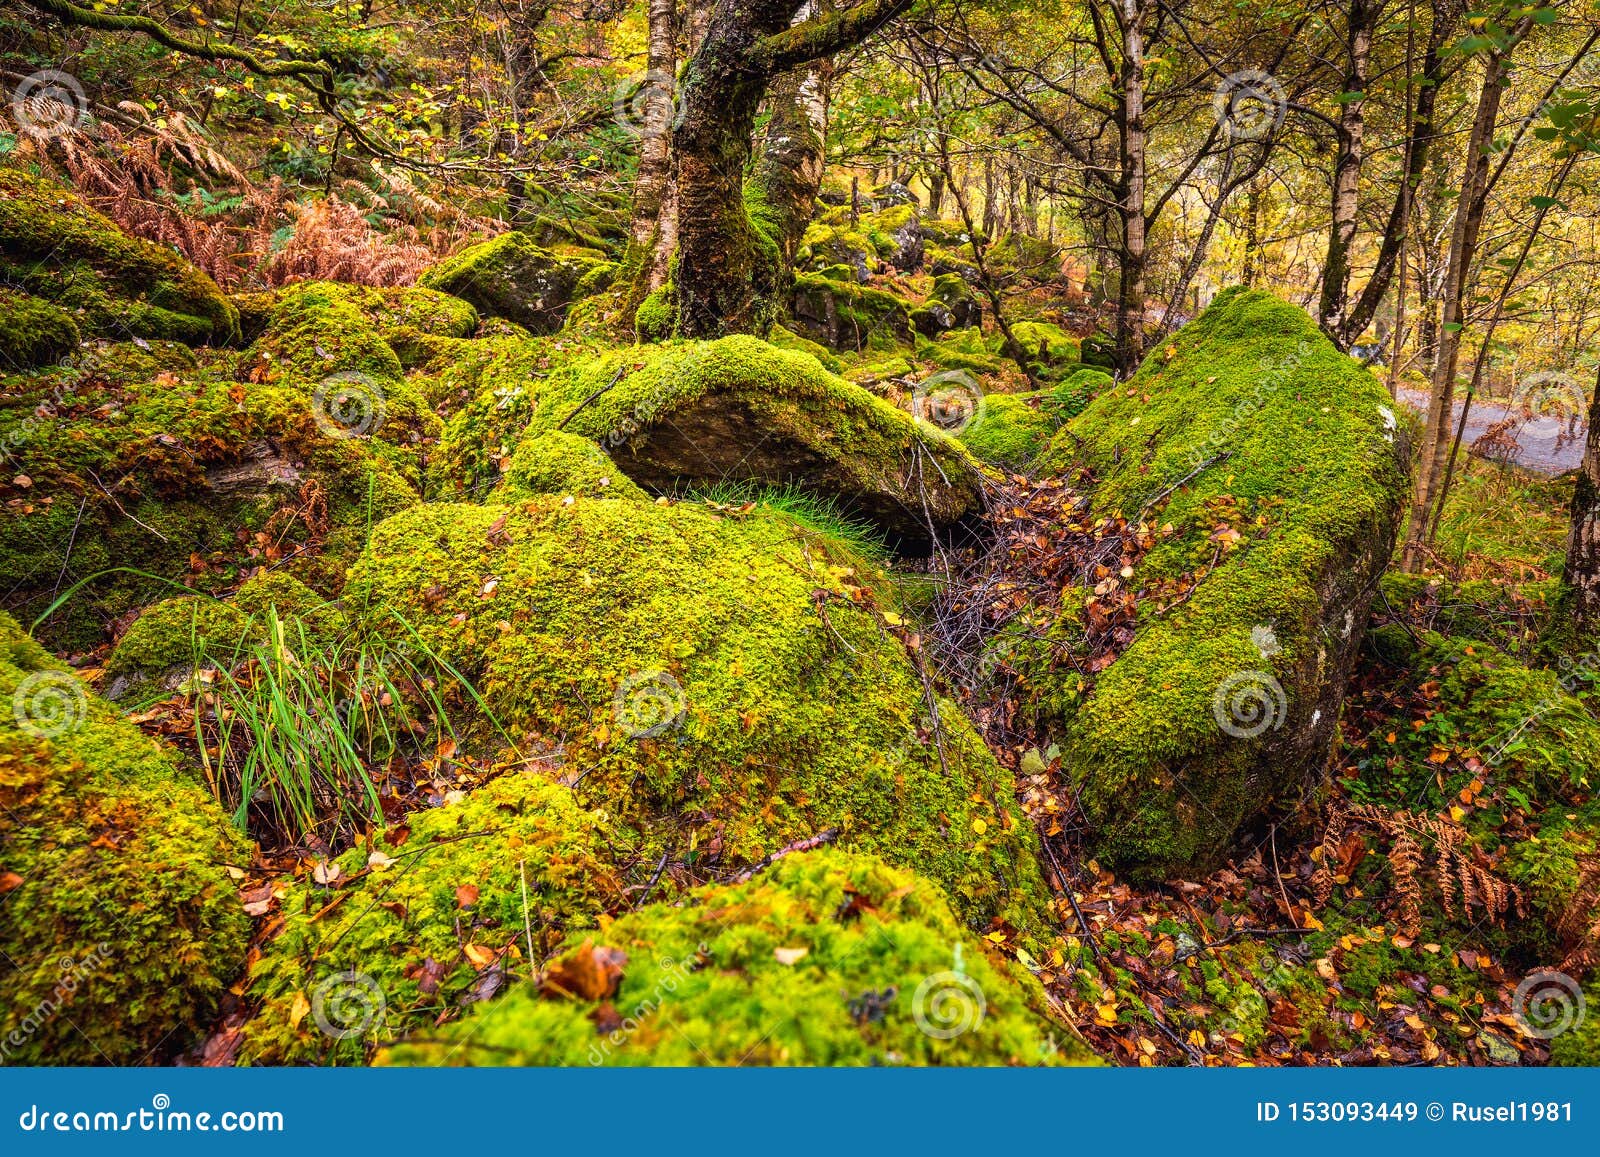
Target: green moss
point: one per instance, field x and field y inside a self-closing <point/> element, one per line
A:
<point x="844" y="316"/>
<point x="1254" y="422"/>
<point x="33" y="332"/>
<point x="554" y="462"/>
<point x="395" y="916"/>
<point x="837" y="245"/>
<point x="1017" y="254"/>
<point x="723" y="688"/>
<point x="656" y="319"/>
<point x="738" y="409"/>
<point x="122" y="929"/>
<point x="172" y="635"/>
<point x="1580" y="1045"/>
<point x="514" y="277"/>
<point x="490" y="390"/>
<point x="196" y="463"/>
<point x="1049" y="345"/>
<point x="114" y="285"/>
<point x="823" y="959"/>
<point x="1010" y="430"/>
<point x="785" y="339"/>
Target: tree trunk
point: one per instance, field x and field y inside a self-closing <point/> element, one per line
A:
<point x="1252" y="233"/>
<point x="1130" y="290"/>
<point x="1582" y="573"/>
<point x="1363" y="14"/>
<point x="1463" y="246"/>
<point x="655" y="226"/>
<point x="788" y="173"/>
<point x="730" y="267"/>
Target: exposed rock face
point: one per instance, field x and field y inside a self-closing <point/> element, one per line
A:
<point x="896" y="234"/>
<point x="845" y="316"/>
<point x="739" y="409"/>
<point x="516" y="278"/>
<point x="950" y="305"/>
<point x="1286" y="476"/>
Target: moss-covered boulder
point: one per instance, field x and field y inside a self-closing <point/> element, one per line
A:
<point x="171" y="638"/>
<point x="516" y="278"/>
<point x="825" y="246"/>
<point x="143" y="456"/>
<point x="1275" y="462"/>
<point x="1018" y="256"/>
<point x="844" y="316"/>
<point x="555" y="462"/>
<point x="896" y="235"/>
<point x="53" y="244"/>
<point x="33" y="332"/>
<point x="823" y="959"/>
<point x="1010" y="430"/>
<point x="951" y="304"/>
<point x="348" y="323"/>
<point x="1099" y="350"/>
<point x="722" y="685"/>
<point x="432" y="915"/>
<point x="737" y="409"/>
<point x="1049" y="346"/>
<point x="120" y="927"/>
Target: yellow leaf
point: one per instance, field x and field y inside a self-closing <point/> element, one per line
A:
<point x="298" y="1008"/>
<point x="480" y="956"/>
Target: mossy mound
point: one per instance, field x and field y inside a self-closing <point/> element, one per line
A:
<point x="1048" y="345"/>
<point x="554" y="462"/>
<point x="1010" y="430"/>
<point x="313" y="326"/>
<point x="119" y="926"/>
<point x="33" y="332"/>
<point x="845" y="316"/>
<point x="786" y="339"/>
<point x="896" y="236"/>
<point x="169" y="639"/>
<point x="1274" y="460"/>
<point x="1016" y="255"/>
<point x="435" y="914"/>
<point x="144" y="457"/>
<point x="721" y="685"/>
<point x="823" y="959"/>
<point x="489" y="390"/>
<point x="516" y="278"/>
<point x="113" y="285"/>
<point x="837" y="245"/>
<point x="740" y="410"/>
<point x="1579" y="1047"/>
<point x="951" y="304"/>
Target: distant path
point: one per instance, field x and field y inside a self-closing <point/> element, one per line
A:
<point x="1549" y="446"/>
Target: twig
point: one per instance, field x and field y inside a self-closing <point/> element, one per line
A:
<point x="617" y="377"/>
<point x="119" y="506"/>
<point x="810" y="843"/>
